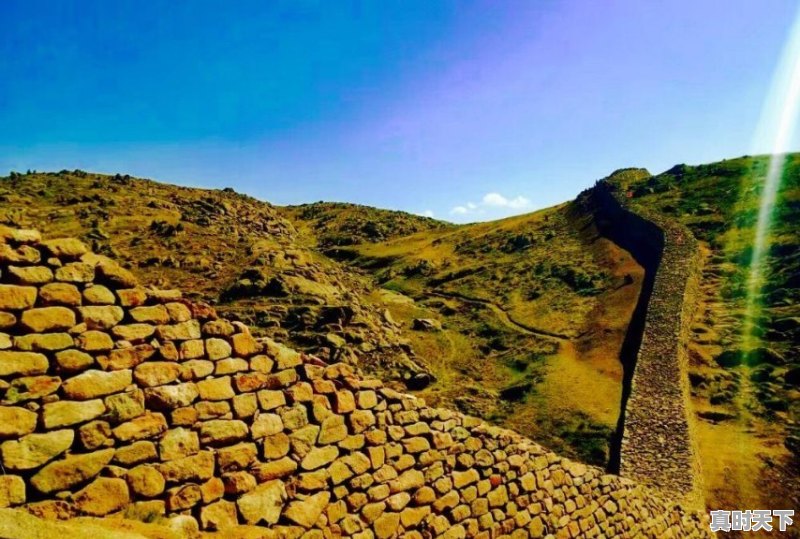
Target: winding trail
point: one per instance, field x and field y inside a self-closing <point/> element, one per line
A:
<point x="504" y="316"/>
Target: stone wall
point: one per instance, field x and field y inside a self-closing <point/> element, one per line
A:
<point x="119" y="399"/>
<point x="655" y="441"/>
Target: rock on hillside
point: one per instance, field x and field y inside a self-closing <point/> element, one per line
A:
<point x="231" y="250"/>
<point x="336" y="224"/>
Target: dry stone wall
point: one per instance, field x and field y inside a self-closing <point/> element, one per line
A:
<point x="119" y="399"/>
<point x="656" y="445"/>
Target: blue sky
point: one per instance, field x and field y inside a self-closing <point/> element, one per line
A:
<point x="468" y="110"/>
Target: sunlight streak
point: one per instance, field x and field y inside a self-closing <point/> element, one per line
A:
<point x="777" y="128"/>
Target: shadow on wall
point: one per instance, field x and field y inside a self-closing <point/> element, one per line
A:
<point x="645" y="242"/>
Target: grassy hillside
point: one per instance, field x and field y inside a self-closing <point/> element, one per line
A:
<point x="336" y="223"/>
<point x="231" y="250"/>
<point x="533" y="309"/>
<point x="528" y="316"/>
<point x="745" y="385"/>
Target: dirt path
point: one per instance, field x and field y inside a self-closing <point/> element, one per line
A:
<point x="503" y="315"/>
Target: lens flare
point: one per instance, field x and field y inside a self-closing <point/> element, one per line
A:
<point x="777" y="129"/>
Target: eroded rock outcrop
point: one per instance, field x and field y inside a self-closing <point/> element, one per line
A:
<point x="119" y="398"/>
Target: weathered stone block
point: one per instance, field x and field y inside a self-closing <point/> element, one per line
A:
<point x="171" y="396"/>
<point x="22" y="363"/>
<point x="145" y="426"/>
<point x="35" y="450"/>
<point x="154" y="314"/>
<point x="183" y="497"/>
<point x="306" y="512"/>
<point x="146" y="481"/>
<point x="101" y="316"/>
<point x="264" y="504"/>
<point x="14" y="297"/>
<point x="156" y="373"/>
<point x="133" y="332"/>
<point x="266" y="425"/>
<point x="99" y="295"/>
<point x="182" y="331"/>
<point x="221" y="431"/>
<point x="215" y="389"/>
<point x="65" y="247"/>
<point x="218" y="516"/>
<point x="192" y="349"/>
<point x="131" y="297"/>
<point x="67" y="413"/>
<point x="46" y="319"/>
<point x="75" y="272"/>
<point x="16" y="421"/>
<point x="136" y="453"/>
<point x="103" y="496"/>
<point x="74" y="469"/>
<point x="125" y="406"/>
<point x="319" y="456"/>
<point x="94" y="341"/>
<point x="236" y="457"/>
<point x="43" y="342"/>
<point x="275" y="469"/>
<point x="94" y="434"/>
<point x="93" y="383"/>
<point x="12" y="490"/>
<point x="60" y="294"/>
<point x="178" y="443"/>
<point x="217" y="348"/>
<point x="199" y="467"/>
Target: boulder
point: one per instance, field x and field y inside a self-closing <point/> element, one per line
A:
<point x="426" y="324"/>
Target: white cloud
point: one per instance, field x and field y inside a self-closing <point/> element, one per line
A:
<point x="428" y="213"/>
<point x="499" y="201"/>
<point x="493" y="202"/>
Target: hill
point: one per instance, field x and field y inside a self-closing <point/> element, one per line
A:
<point x="231" y="250"/>
<point x="332" y="224"/>
<point x="521" y="320"/>
<point x="744" y="384"/>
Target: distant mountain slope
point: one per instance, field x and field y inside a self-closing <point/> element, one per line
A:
<point x="533" y="311"/>
<point x="338" y="223"/>
<point x="534" y="307"/>
<point x="746" y="392"/>
<point x="232" y="250"/>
